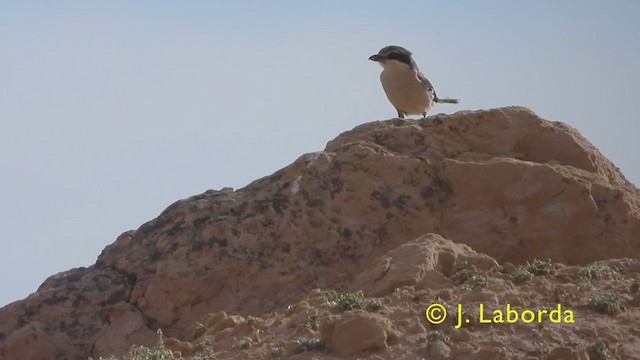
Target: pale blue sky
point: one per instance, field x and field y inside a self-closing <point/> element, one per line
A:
<point x="112" y="110"/>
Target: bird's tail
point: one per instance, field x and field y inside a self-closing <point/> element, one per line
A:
<point x="446" y="100"/>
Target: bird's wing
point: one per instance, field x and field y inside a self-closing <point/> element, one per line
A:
<point x="427" y="85"/>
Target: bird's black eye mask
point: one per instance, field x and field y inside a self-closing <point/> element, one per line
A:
<point x="403" y="58"/>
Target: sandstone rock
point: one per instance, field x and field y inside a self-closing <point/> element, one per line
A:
<point x="508" y="177"/>
<point x="219" y="321"/>
<point x="419" y="262"/>
<point x="504" y="182"/>
<point x="356" y="331"/>
<point x="71" y="310"/>
<point x="562" y="353"/>
<point x="439" y="350"/>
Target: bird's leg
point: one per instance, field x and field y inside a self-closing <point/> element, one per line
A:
<point x="424" y="115"/>
<point x="400" y="114"/>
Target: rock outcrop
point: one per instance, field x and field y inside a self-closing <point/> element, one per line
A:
<point x="389" y="205"/>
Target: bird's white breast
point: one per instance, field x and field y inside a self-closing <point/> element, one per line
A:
<point x="404" y="90"/>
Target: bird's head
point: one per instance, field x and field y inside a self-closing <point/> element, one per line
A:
<point x="394" y="56"/>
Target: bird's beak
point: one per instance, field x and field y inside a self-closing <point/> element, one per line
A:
<point x="375" y="57"/>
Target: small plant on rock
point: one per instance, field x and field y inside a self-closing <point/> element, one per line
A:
<point x="350" y="301"/>
<point x="540" y="267"/>
<point x="596" y="271"/>
<point x="438" y="335"/>
<point x="144" y="353"/>
<point x="522" y="275"/>
<point x="599" y="351"/>
<point x="244" y="343"/>
<point x="312" y="321"/>
<point x="608" y="304"/>
<point x="277" y="352"/>
<point x="538" y="350"/>
<point x="475" y="281"/>
<point x="307" y="344"/>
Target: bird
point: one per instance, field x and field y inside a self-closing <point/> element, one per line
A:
<point x="406" y="87"/>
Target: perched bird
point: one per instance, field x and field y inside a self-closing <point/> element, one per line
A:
<point x="407" y="88"/>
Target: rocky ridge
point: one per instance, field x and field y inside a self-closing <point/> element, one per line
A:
<point x="450" y="209"/>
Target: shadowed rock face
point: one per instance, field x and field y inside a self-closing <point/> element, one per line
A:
<point x="504" y="182"/>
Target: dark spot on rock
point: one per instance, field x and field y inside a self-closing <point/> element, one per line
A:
<point x="315" y="202"/>
<point x="55" y="300"/>
<point x="444" y="186"/>
<point x="21" y="322"/>
<point x="336" y="186"/>
<point x="197" y="223"/>
<point x="102" y="282"/>
<point x="383" y="236"/>
<point x="155" y="255"/>
<point x="261" y="207"/>
<point x="346" y="233"/>
<point x="380" y="138"/>
<point x="176" y="229"/>
<point x="321" y="258"/>
<point x="220" y="242"/>
<point x="382" y="198"/>
<point x="427" y="192"/>
<point x="513" y="220"/>
<point x="294" y="213"/>
<point x="440" y="188"/>
<point x="243" y="249"/>
<point x="437" y="120"/>
<point x="80" y="301"/>
<point x="278" y="203"/>
<point x="454" y="129"/>
<point x="351" y="256"/>
<point x="197" y="245"/>
<point x="401" y="202"/>
<point x="131" y="278"/>
<point x="117" y="296"/>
